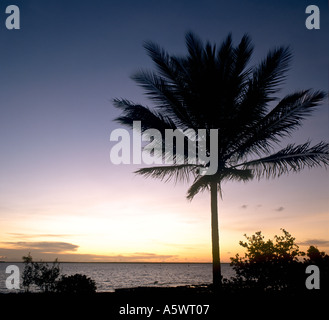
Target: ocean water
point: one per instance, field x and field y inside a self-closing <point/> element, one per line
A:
<point x="111" y="276"/>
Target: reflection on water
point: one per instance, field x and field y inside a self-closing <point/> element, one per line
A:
<point x="111" y="276"/>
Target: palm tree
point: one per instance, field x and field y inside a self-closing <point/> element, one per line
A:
<point x="213" y="88"/>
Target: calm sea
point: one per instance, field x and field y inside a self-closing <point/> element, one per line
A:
<point x="111" y="276"/>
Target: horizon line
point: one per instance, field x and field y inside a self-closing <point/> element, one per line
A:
<point x="127" y="262"/>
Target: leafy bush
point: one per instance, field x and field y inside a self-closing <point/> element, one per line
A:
<point x="320" y="259"/>
<point x="271" y="264"/>
<point x="46" y="278"/>
<point x="76" y="284"/>
<point x="40" y="274"/>
<point x="275" y="264"/>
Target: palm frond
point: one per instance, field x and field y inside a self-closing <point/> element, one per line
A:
<point x="168" y="173"/>
<point x="291" y="111"/>
<point x="166" y="96"/>
<point x="263" y="83"/>
<point x="242" y="55"/>
<point x="163" y="61"/>
<point x="225" y="57"/>
<point x="278" y="123"/>
<point x="194" y="46"/>
<point x="240" y="73"/>
<point x="149" y="118"/>
<point x="200" y="184"/>
<point x="235" y="174"/>
<point x="290" y="159"/>
<point x="271" y="72"/>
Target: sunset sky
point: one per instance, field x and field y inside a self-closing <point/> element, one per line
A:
<point x="60" y="195"/>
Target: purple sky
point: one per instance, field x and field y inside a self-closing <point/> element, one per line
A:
<point x="59" y="73"/>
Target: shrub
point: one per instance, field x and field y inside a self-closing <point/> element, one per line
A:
<point x="321" y="260"/>
<point x="76" y="284"/>
<point x="46" y="278"/>
<point x="40" y="274"/>
<point x="270" y="264"/>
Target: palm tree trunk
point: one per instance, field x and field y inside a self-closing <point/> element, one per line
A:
<point x="217" y="275"/>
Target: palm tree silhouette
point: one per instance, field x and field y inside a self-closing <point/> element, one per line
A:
<point x="213" y="88"/>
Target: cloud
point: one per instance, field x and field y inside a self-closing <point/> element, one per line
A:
<point x="314" y="242"/>
<point x="279" y="209"/>
<point x="244" y="206"/>
<point x="43" y="246"/>
<point x="145" y="254"/>
<point x="49" y="251"/>
<point x="140" y="256"/>
<point x="42" y="250"/>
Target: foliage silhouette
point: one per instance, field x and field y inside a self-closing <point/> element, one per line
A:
<point x="47" y="279"/>
<point x="276" y="265"/>
<point x="270" y="264"/>
<point x="316" y="256"/>
<point x="40" y="274"/>
<point x="320" y="259"/>
<point x="214" y="88"/>
<point x="76" y="284"/>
